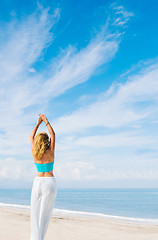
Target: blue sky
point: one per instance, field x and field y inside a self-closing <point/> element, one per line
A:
<point x="91" y="67"/>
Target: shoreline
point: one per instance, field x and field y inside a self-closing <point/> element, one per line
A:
<point x="95" y="215"/>
<point x="15" y="225"/>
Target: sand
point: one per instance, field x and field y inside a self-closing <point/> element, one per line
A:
<point x="15" y="225"/>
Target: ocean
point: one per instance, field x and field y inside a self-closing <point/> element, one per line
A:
<point x="129" y="204"/>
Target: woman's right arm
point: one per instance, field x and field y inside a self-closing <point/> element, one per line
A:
<point x="33" y="133"/>
<point x="51" y="132"/>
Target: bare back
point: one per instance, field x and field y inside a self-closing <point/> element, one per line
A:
<point x="47" y="157"/>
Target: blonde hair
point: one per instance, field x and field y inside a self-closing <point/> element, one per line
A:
<point x="41" y="144"/>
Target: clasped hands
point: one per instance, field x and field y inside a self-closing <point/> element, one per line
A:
<point x="41" y="118"/>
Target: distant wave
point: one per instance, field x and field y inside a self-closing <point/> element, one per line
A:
<point x="89" y="214"/>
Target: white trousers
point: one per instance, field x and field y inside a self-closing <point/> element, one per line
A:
<point x="43" y="196"/>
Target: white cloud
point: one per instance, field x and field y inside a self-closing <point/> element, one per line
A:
<point x="78" y="67"/>
<point x="14" y="169"/>
<point x="124" y="15"/>
<point x="32" y="70"/>
<point x="120" y="107"/>
<point x="21" y="45"/>
<point x="123" y="139"/>
<point x="77" y="171"/>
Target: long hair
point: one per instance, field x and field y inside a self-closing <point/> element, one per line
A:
<point x="41" y="144"/>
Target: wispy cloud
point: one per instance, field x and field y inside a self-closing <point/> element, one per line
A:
<point x="123" y="139"/>
<point x="77" y="67"/>
<point x="122" y="15"/>
<point x="20" y="48"/>
<point x="123" y="105"/>
<point x="22" y="44"/>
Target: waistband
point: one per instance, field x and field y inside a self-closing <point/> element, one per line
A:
<point x="44" y="177"/>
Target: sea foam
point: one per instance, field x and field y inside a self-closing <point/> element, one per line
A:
<point x="88" y="214"/>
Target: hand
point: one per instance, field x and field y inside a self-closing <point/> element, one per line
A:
<point x="43" y="117"/>
<point x="39" y="121"/>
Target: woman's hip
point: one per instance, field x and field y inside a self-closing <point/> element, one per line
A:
<point x="46" y="184"/>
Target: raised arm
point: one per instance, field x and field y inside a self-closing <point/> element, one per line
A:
<point x="34" y="131"/>
<point x="51" y="131"/>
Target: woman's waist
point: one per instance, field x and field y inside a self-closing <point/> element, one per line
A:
<point x="45" y="174"/>
<point x="44" y="177"/>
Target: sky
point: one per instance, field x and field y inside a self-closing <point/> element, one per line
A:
<point x="92" y="68"/>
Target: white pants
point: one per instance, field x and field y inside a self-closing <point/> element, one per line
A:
<point x="43" y="196"/>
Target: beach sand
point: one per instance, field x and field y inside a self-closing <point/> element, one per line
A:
<point x="15" y="225"/>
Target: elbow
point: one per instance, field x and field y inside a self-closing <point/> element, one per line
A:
<point x="31" y="136"/>
<point x="53" y="134"/>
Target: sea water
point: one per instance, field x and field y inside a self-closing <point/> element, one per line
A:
<point x="129" y="204"/>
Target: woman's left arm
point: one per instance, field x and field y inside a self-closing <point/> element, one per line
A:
<point x="34" y="132"/>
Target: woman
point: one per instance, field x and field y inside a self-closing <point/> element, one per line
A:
<point x="44" y="187"/>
